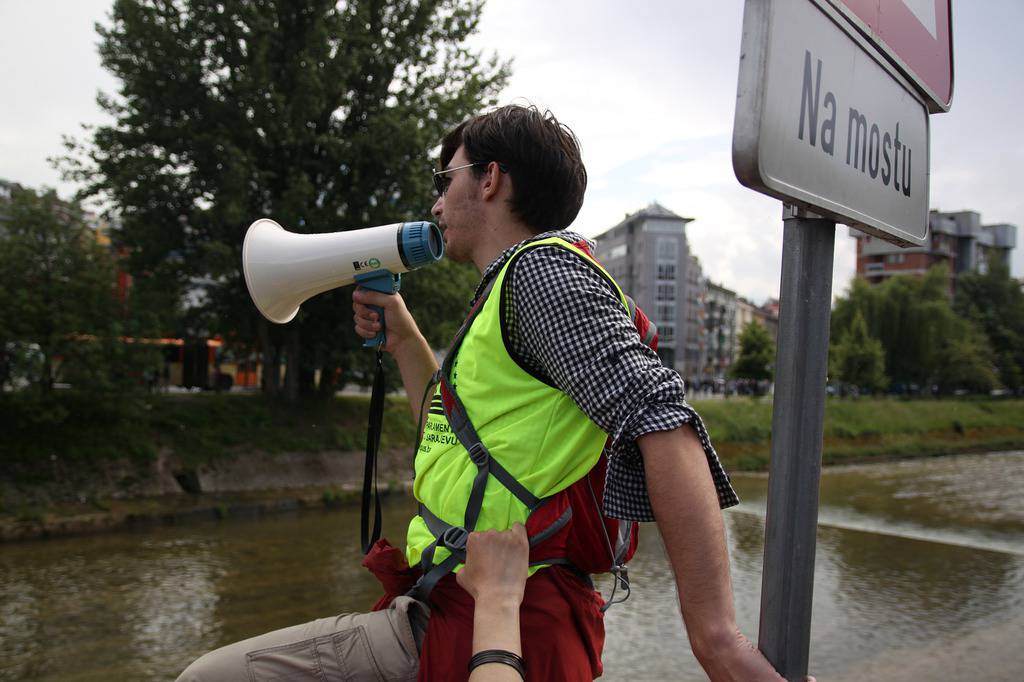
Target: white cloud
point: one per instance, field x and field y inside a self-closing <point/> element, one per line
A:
<point x="649" y="88"/>
<point x="52" y="74"/>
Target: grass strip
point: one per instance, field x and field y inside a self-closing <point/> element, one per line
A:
<point x="199" y="428"/>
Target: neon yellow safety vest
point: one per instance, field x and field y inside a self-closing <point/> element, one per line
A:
<point x="533" y="430"/>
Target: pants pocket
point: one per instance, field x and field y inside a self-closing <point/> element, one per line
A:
<point x="354" y="657"/>
<point x="286" y="663"/>
<point x="343" y="657"/>
<point x="381" y="646"/>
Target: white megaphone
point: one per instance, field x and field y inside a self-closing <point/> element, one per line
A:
<point x="283" y="269"/>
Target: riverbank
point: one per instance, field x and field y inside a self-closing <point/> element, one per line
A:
<point x="67" y="518"/>
<point x="868" y="430"/>
<point x="208" y="457"/>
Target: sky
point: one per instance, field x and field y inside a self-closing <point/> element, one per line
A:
<point x="649" y="87"/>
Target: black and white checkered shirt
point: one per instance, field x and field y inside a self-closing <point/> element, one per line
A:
<point x="567" y="326"/>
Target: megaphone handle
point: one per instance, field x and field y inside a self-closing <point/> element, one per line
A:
<point x="386" y="282"/>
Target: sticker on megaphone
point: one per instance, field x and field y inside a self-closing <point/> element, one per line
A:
<point x="371" y="264"/>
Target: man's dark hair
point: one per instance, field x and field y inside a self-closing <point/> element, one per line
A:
<point x="541" y="156"/>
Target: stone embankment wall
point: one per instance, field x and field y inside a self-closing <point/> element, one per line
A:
<point x="121" y="493"/>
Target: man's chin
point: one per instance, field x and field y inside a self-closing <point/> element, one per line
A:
<point x="453" y="252"/>
<point x="456" y="255"/>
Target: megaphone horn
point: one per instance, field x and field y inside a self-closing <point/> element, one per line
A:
<point x="283" y="269"/>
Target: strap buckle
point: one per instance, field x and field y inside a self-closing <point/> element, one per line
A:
<point x="454" y="538"/>
<point x="479" y="453"/>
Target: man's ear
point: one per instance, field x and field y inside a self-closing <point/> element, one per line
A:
<point x="494" y="181"/>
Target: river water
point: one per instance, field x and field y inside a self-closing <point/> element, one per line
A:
<point x="919" y="576"/>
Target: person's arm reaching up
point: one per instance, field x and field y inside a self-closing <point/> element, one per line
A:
<point x="495" y="576"/>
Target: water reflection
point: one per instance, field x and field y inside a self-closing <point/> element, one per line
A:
<point x="890" y="601"/>
<point x="140" y="605"/>
<point x="972" y="500"/>
<point x="171" y="607"/>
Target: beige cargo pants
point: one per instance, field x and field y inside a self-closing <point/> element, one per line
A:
<point x="378" y="646"/>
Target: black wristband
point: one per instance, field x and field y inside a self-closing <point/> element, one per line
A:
<point x="499" y="656"/>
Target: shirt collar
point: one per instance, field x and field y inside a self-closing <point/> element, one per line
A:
<point x="491" y="271"/>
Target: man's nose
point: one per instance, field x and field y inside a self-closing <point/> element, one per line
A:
<point x="438" y="207"/>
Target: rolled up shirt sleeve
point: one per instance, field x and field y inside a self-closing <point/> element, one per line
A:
<point x="568" y="327"/>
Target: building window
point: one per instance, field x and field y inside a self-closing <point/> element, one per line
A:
<point x="667" y="249"/>
<point x="665" y="292"/>
<point x="666" y="334"/>
<point x="666" y="312"/>
<point x="667" y="271"/>
<point x="617" y="251"/>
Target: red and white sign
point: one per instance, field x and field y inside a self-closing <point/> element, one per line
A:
<point x="916" y="35"/>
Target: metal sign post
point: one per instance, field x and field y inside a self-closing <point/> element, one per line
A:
<point x="798" y="418"/>
<point x="832" y="107"/>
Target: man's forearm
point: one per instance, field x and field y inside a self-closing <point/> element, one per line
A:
<point x="416" y="364"/>
<point x="686" y="507"/>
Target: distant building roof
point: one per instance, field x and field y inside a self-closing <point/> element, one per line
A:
<point x="656" y="210"/>
<point x="7" y="188"/>
<point x="652" y="210"/>
<point x="714" y="286"/>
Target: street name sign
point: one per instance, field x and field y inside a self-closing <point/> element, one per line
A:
<point x="916" y="35"/>
<point x="826" y="122"/>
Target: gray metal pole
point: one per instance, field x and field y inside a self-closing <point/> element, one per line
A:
<point x="798" y="418"/>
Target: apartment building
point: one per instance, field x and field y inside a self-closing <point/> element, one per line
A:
<point x="648" y="255"/>
<point x="722" y="333"/>
<point x="957" y="239"/>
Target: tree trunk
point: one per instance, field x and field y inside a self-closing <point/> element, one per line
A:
<point x="5" y="366"/>
<point x="271" y="360"/>
<point x="329" y="382"/>
<point x="293" y="348"/>
<point x="46" y="380"/>
<point x="307" y="380"/>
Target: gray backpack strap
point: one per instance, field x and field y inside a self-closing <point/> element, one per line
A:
<point x="454" y="538"/>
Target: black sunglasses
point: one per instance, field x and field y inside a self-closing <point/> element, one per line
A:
<point x="441" y="179"/>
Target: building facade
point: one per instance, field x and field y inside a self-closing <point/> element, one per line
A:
<point x="767" y="315"/>
<point x="695" y="343"/>
<point x="956" y="239"/>
<point x="7" y="189"/>
<point x="649" y="256"/>
<point x="720" y="322"/>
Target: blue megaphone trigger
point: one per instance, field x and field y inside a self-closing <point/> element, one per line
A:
<point x="386" y="282"/>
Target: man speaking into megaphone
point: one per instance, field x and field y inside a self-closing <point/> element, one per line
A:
<point x="550" y="411"/>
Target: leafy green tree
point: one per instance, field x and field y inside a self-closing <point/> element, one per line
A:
<point x="60" y="319"/>
<point x="923" y="336"/>
<point x="859" y="359"/>
<point x="969" y="364"/>
<point x="995" y="302"/>
<point x="756" y="360"/>
<point x="912" y="317"/>
<point x="317" y="113"/>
